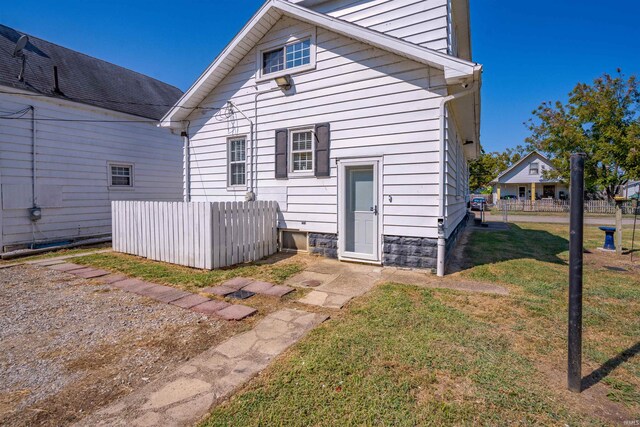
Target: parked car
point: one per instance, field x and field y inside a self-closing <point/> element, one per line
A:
<point x="477" y="204"/>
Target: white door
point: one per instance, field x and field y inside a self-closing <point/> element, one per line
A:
<point x="359" y="212"/>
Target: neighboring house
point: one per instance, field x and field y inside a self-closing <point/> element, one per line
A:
<point x="357" y="117"/>
<point x="76" y="133"/>
<point x="525" y="180"/>
<point x="631" y="189"/>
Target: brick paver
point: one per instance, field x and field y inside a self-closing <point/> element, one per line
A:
<point x="190" y="301"/>
<point x="237" y="283"/>
<point x="172" y="295"/>
<point x="278" y="291"/>
<point x="89" y="273"/>
<point x="67" y="266"/>
<point x="218" y="290"/>
<point x="155" y="290"/>
<point x="127" y="284"/>
<point x="210" y="307"/>
<point x="140" y="288"/>
<point x="258" y="287"/>
<point x="111" y="278"/>
<point x="236" y="312"/>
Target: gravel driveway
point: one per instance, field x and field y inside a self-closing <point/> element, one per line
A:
<point x="69" y="346"/>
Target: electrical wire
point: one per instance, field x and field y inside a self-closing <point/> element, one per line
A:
<point x="9" y="114"/>
<point x="38" y="119"/>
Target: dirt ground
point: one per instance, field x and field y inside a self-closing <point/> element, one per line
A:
<point x="70" y="346"/>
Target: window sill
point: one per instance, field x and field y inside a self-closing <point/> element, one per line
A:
<point x="302" y="174"/>
<point x="291" y="71"/>
<point x="236" y="188"/>
<point x="118" y="188"/>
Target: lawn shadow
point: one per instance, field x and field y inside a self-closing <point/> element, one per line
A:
<point x="489" y="246"/>
<point x="609" y="366"/>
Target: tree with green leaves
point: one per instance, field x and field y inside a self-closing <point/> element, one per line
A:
<point x="489" y="165"/>
<point x="600" y="120"/>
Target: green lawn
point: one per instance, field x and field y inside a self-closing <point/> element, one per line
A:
<point x="403" y="355"/>
<point x="189" y="278"/>
<point x="57" y="253"/>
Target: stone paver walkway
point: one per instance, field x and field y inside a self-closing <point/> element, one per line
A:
<point x="185" y="396"/>
<point x="249" y="285"/>
<point x="335" y="283"/>
<point x="160" y="293"/>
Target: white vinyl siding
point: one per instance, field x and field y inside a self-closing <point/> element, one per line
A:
<point x="378" y="104"/>
<point x="72" y="167"/>
<point x="423" y="22"/>
<point x="456" y="178"/>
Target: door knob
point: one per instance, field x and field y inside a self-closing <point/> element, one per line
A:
<point x="374" y="209"/>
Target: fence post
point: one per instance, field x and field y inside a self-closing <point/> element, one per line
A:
<point x="574" y="372"/>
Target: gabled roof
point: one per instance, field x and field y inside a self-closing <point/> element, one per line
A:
<point x="455" y="69"/>
<point x="82" y="78"/>
<point x="515" y="165"/>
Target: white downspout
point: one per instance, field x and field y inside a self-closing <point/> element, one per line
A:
<point x="440" y="266"/>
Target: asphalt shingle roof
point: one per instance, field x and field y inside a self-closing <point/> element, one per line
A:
<point x="82" y="78"/>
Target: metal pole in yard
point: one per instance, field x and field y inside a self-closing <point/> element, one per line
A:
<point x="635" y="220"/>
<point x="576" y="236"/>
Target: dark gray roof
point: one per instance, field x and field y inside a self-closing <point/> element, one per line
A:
<point x="82" y="78"/>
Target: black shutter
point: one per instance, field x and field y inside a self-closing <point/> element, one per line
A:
<point x="281" y="153"/>
<point x="322" y="154"/>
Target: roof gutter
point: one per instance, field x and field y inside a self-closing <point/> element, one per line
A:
<point x="440" y="266"/>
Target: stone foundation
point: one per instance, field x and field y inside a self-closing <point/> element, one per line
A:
<point x="398" y="251"/>
<point x="414" y="252"/>
<point x="324" y="244"/>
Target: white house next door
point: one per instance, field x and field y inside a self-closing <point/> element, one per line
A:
<point x="359" y="212"/>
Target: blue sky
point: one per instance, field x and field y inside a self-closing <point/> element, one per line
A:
<point x="531" y="51"/>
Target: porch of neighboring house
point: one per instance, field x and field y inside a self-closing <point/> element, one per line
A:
<point x="532" y="191"/>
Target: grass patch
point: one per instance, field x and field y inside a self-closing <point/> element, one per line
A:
<point x="55" y="254"/>
<point x="399" y="356"/>
<point x="189" y="278"/>
<point x="408" y="356"/>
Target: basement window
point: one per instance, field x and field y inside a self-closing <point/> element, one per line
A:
<point x="120" y="175"/>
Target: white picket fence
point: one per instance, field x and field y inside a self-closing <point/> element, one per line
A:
<point x="204" y="235"/>
<point x="549" y="205"/>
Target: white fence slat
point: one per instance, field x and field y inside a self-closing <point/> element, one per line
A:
<point x="202" y="235"/>
<point x="228" y="229"/>
<point x="216" y="242"/>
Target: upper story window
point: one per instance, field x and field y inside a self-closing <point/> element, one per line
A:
<point x="237" y="162"/>
<point x="120" y="175"/>
<point x="286" y="57"/>
<point x="302" y="151"/>
<point x="534" y="168"/>
<point x="292" y="54"/>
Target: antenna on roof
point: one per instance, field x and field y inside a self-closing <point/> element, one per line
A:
<point x="18" y="53"/>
